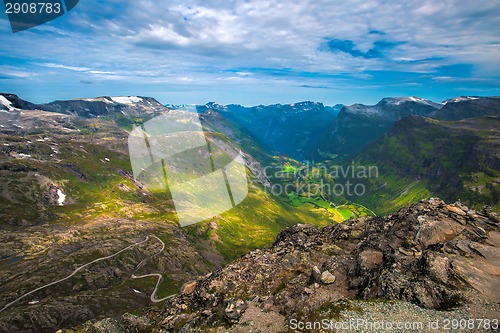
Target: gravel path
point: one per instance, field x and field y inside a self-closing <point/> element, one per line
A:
<point x="406" y="317"/>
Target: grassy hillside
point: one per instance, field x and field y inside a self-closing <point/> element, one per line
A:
<point x="420" y="157"/>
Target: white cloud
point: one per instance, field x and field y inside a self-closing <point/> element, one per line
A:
<point x="71" y="68"/>
<point x="201" y="42"/>
<point x="102" y="72"/>
<point x="289" y="33"/>
<point x="15" y="72"/>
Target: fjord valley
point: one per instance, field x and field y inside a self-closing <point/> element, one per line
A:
<point x="69" y="198"/>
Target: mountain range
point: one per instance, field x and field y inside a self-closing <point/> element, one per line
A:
<point x="69" y="202"/>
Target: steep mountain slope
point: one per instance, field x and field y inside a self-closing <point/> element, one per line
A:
<point x="296" y="182"/>
<point x="358" y="125"/>
<point x="286" y="129"/>
<point x="9" y="101"/>
<point x="420" y="156"/>
<point x="434" y="255"/>
<point x="468" y="107"/>
<point x="259" y="154"/>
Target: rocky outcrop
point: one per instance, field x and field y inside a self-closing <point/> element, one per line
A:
<point x="431" y="254"/>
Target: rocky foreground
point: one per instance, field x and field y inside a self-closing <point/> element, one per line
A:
<point x="430" y="260"/>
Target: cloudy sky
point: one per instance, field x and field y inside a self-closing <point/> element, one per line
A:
<point x="257" y="51"/>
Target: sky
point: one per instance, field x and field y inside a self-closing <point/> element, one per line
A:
<point x="254" y="52"/>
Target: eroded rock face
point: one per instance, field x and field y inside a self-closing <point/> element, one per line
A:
<point x="235" y="309"/>
<point x="50" y="195"/>
<point x="430" y="254"/>
<point x="188" y="287"/>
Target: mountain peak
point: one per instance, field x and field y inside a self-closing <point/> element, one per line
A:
<point x="460" y="99"/>
<point x="468" y="107"/>
<point x="409" y="99"/>
<point x="115" y="99"/>
<point x="5" y="103"/>
<point x="127" y="99"/>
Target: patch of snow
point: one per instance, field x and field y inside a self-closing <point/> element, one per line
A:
<point x="105" y="100"/>
<point x="107" y="159"/>
<point x="61" y="197"/>
<point x="18" y="126"/>
<point x="33" y="302"/>
<point x="2" y="126"/>
<point x="181" y="107"/>
<point x="21" y="155"/>
<point x="126" y="99"/>
<point x="5" y="102"/>
<point x="460" y="99"/>
<point x="136" y="291"/>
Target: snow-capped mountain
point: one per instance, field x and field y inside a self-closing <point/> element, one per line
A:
<point x="121" y="108"/>
<point x="358" y="125"/>
<point x="468" y="107"/>
<point x="289" y="129"/>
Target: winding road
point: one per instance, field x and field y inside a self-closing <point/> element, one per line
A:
<point x="159" y="276"/>
<point x="153" y="297"/>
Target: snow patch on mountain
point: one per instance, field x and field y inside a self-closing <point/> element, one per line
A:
<point x="5" y="102"/>
<point x="126" y="99"/>
<point x="460" y="99"/>
<point x="61" y="197"/>
<point x="182" y="107"/>
<point x="401" y="100"/>
<point x="99" y="99"/>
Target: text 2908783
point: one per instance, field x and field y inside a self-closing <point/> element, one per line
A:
<point x="33" y="8"/>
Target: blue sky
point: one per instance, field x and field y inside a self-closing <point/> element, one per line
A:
<point x="257" y="52"/>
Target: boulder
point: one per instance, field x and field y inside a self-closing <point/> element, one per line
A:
<point x="327" y="277"/>
<point x="188" y="287"/>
